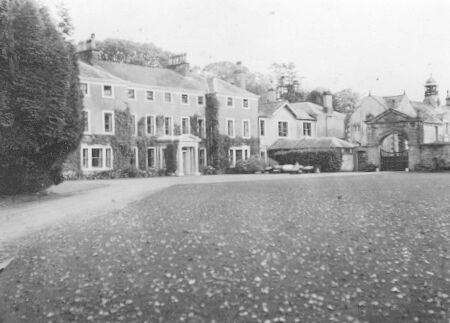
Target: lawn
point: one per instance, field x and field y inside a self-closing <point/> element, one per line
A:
<point x="337" y="249"/>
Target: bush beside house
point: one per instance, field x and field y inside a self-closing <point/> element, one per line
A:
<point x="324" y="160"/>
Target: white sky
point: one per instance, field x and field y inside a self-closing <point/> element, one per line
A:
<point x="383" y="46"/>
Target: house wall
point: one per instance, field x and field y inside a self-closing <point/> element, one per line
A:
<point x="358" y="127"/>
<point x="272" y="128"/>
<point x="431" y="135"/>
<point x="238" y="113"/>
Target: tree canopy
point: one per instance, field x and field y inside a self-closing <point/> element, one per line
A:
<point x="40" y="99"/>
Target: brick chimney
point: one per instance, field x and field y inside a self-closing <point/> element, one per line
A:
<point x="179" y="64"/>
<point x="87" y="50"/>
<point x="242" y="79"/>
<point x="327" y="100"/>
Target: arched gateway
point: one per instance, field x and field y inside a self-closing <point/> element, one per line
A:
<point x="394" y="152"/>
<point x="391" y="137"/>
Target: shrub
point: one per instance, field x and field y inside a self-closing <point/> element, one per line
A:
<point x="369" y="167"/>
<point x="40" y="99"/>
<point x="325" y="160"/>
<point x="130" y="172"/>
<point x="170" y="157"/>
<point x="249" y="166"/>
<point x="208" y="170"/>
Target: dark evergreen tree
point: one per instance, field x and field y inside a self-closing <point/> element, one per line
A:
<point x="40" y="100"/>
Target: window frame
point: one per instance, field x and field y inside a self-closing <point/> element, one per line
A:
<point x="103" y="91"/>
<point x="171" y="126"/>
<point x="88" y="131"/>
<point x="153" y="126"/>
<point x="146" y="97"/>
<point x="205" y="162"/>
<point x="154" y="157"/>
<point x="104" y="112"/>
<point x="243" y="104"/>
<point x="249" y="129"/>
<point x="187" y="99"/>
<point x="128" y="93"/>
<point x="135" y="133"/>
<point x="104" y="159"/>
<point x="135" y="152"/>
<point x="262" y="129"/>
<point x="188" y="125"/>
<point x="309" y="128"/>
<point x="232" y="102"/>
<point x="171" y="98"/>
<point x="203" y="131"/>
<point x="88" y="92"/>
<point x="287" y="128"/>
<point x="203" y="100"/>
<point x="228" y="129"/>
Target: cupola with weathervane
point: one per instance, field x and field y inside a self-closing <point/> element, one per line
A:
<point x="431" y="92"/>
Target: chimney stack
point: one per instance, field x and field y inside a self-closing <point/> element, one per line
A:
<point x="271" y="95"/>
<point x="242" y="81"/>
<point x="179" y="64"/>
<point x="327" y="102"/>
<point x="87" y="50"/>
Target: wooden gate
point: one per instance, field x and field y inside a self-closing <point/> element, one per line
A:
<point x="394" y="160"/>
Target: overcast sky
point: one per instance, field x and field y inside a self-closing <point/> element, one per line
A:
<point x="382" y="46"/>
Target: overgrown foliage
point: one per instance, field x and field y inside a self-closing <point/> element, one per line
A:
<point x="249" y="166"/>
<point x="325" y="160"/>
<point x="170" y="157"/>
<point x="40" y="100"/>
<point x="212" y="129"/>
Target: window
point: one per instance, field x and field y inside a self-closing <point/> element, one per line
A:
<point x="282" y="129"/>
<point x="149" y="95"/>
<point x="97" y="157"/>
<point x="131" y="94"/>
<point x="184" y="99"/>
<point x="134" y="161"/>
<point x="185" y="125"/>
<point x="108" y="122"/>
<point x="200" y="100"/>
<point x="245" y="103"/>
<point x="151" y="157"/>
<point x="168" y="97"/>
<point x="263" y="155"/>
<point x="246" y="128"/>
<point x="201" y="127"/>
<point x="134" y="125"/>
<point x="168" y="126"/>
<point x="230" y="127"/>
<point x="229" y="102"/>
<point x="262" y="127"/>
<point x="238" y="153"/>
<point x="108" y="160"/>
<point x="107" y="91"/>
<point x="150" y="125"/>
<point x="307" y="129"/>
<point x="202" y="157"/>
<point x="86" y="121"/>
<point x="84" y="89"/>
<point x="85" y="158"/>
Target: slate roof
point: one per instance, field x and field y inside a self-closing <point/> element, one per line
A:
<point x="312" y="109"/>
<point x="392" y="102"/>
<point x="267" y="109"/>
<point x="96" y="72"/>
<point x="221" y="87"/>
<point x="425" y="111"/>
<point x="156" y="77"/>
<point x="310" y="143"/>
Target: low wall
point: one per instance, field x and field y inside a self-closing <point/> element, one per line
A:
<point x="434" y="154"/>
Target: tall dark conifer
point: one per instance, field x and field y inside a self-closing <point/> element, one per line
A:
<point x="40" y="108"/>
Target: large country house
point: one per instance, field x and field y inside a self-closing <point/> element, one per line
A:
<point x="396" y="133"/>
<point x="132" y="113"/>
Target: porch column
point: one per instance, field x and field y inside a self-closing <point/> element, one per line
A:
<point x="180" y="166"/>
<point x="196" y="168"/>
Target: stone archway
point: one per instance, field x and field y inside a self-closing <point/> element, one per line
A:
<point x="394" y="149"/>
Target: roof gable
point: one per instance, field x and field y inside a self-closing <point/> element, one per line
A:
<point x="391" y="116"/>
<point x="222" y="87"/>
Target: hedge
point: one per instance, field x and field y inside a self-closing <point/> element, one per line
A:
<point x="325" y="160"/>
